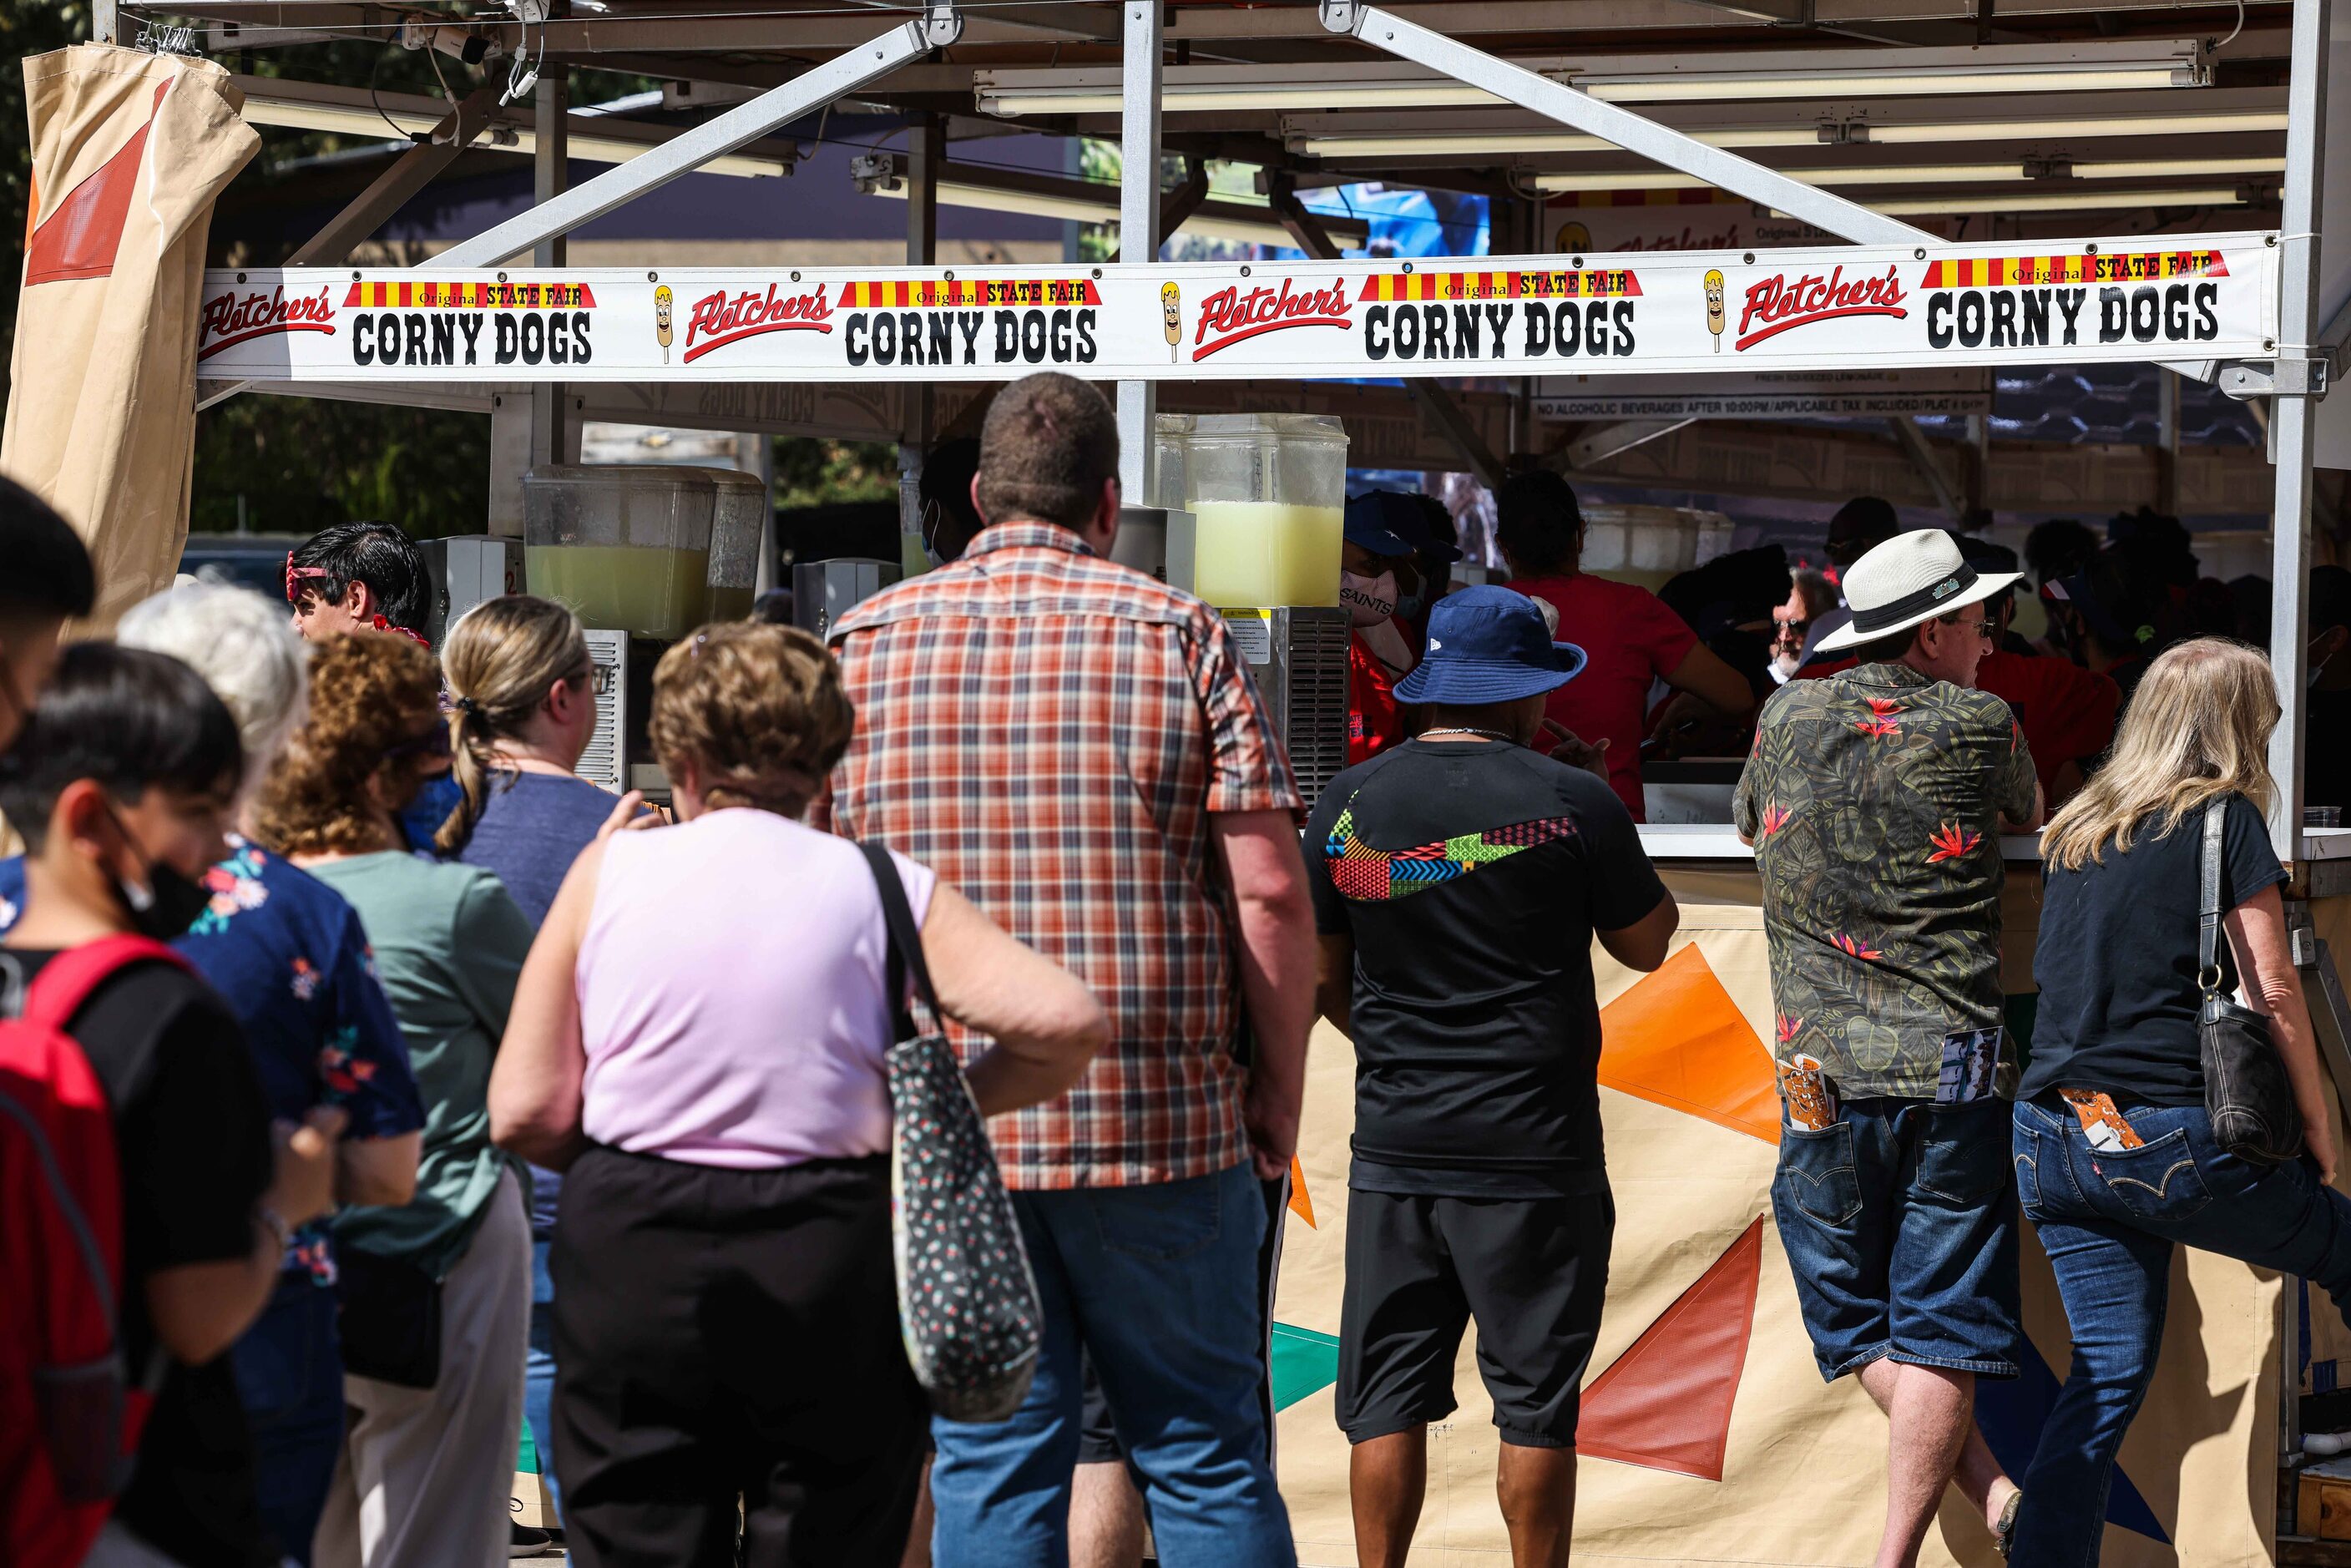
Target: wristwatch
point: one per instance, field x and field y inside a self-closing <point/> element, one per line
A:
<point x="278" y="1227"/>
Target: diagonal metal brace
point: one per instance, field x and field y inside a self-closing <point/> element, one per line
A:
<point x="836" y="77"/>
<point x="410" y="173"/>
<point x="1921" y="452"/>
<point x="1185" y="199"/>
<point x="1306" y="228"/>
<point x="1620" y="127"/>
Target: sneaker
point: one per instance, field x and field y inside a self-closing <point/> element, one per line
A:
<point x="528" y="1542"/>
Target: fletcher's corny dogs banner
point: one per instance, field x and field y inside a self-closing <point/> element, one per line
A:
<point x="2172" y="298"/>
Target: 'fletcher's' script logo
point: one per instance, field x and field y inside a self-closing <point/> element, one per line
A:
<point x="231" y="319"/>
<point x="718" y="320"/>
<point x="1782" y="306"/>
<point x="1229" y="316"/>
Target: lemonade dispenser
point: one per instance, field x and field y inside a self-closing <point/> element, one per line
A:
<point x="628" y="548"/>
<point x="1268" y="492"/>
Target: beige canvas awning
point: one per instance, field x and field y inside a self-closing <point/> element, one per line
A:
<point x="129" y="151"/>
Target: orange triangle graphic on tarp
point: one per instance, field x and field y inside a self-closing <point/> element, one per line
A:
<point x="80" y="239"/>
<point x="1677" y="1040"/>
<point x="1300" y="1204"/>
<point x="1665" y="1403"/>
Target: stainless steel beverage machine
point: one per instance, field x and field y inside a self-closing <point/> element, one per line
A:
<point x="466" y="569"/>
<point x="1265" y="496"/>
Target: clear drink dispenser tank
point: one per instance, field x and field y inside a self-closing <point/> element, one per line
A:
<point x="1269" y="494"/>
<point x="626" y="546"/>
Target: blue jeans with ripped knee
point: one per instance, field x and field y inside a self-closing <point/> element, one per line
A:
<point x="2108" y="1220"/>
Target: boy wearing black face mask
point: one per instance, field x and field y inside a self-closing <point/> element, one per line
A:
<point x="122" y="783"/>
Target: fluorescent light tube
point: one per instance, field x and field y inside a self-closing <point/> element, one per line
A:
<point x="362" y="120"/>
<point x="2066" y="202"/>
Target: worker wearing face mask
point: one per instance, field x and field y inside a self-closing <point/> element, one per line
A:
<point x="1381" y="652"/>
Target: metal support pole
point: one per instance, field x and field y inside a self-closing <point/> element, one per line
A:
<point x="105" y="23"/>
<point x="836" y="77"/>
<point x="1138" y="234"/>
<point x="2292" y="415"/>
<point x="554" y="435"/>
<point x="1620" y="127"/>
<point x="2167" y="442"/>
<point x="926" y="150"/>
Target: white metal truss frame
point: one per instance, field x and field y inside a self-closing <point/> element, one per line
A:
<point x="682" y="154"/>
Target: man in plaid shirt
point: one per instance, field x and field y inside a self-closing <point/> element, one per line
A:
<point x="1081" y="750"/>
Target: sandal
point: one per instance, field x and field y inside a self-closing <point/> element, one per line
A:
<point x="2003" y="1534"/>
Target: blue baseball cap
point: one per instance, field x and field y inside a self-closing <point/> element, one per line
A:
<point x="1487" y="644"/>
<point x="1368" y="525"/>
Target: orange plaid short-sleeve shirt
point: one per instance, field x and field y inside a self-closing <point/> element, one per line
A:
<point x="1051" y="732"/>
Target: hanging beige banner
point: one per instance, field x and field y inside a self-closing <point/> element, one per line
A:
<point x="1708" y="1437"/>
<point x="129" y="151"/>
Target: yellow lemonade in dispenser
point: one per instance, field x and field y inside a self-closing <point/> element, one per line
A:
<point x="1266" y="552"/>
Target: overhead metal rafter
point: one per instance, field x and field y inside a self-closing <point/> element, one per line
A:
<point x="410" y="173"/>
<point x="1315" y="240"/>
<point x="836" y="77"/>
<point x="1823" y="209"/>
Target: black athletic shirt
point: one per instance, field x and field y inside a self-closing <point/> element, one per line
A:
<point x="1471" y="876"/>
<point x="192" y="1133"/>
<point x="2116" y="963"/>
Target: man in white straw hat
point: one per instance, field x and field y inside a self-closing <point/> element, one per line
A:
<point x="1874" y="800"/>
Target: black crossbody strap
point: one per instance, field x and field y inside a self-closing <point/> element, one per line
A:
<point x="2208" y="933"/>
<point x="905" y="939"/>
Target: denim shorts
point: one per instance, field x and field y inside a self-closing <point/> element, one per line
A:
<point x="1899" y="1222"/>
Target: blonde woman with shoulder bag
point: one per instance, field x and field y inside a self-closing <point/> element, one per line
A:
<point x="2154" y="1113"/>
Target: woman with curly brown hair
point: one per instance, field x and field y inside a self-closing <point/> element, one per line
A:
<point x="699" y="1043"/>
<point x="436" y="1293"/>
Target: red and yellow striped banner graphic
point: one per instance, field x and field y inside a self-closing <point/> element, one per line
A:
<point x="967" y="292"/>
<point x="2134" y="266"/>
<point x="1563" y="284"/>
<point x="425" y="295"/>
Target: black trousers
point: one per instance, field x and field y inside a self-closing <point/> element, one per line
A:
<point x="726" y="1335"/>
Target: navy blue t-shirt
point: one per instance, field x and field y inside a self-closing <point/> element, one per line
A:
<point x="2116" y="960"/>
<point x="531" y="829"/>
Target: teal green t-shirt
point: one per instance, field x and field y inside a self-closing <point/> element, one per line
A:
<point x="448" y="943"/>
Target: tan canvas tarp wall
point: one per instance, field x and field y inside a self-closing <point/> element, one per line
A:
<point x="129" y="150"/>
<point x="1802" y="1464"/>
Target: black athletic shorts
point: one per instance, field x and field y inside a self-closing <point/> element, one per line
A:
<point x="1530" y="1270"/>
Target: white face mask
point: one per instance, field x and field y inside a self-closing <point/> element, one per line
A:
<point x="1371" y="600"/>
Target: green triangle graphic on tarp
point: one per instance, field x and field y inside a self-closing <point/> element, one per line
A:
<point x="1304" y="1362"/>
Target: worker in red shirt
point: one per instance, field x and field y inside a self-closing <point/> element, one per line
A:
<point x="1381" y="652"/>
<point x="1631" y="637"/>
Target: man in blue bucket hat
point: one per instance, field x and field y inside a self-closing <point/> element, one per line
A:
<point x="1459" y="878"/>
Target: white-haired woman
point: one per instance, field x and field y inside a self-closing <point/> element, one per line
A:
<point x="2115" y="1160"/>
<point x="288" y="955"/>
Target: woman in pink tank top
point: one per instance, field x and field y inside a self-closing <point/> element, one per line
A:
<point x="698" y="1044"/>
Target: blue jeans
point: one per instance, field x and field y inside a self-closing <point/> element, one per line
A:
<point x="2108" y="1221"/>
<point x="538" y="1372"/>
<point x="290" y="1377"/>
<point x="1899" y="1228"/>
<point x="1161" y="1283"/>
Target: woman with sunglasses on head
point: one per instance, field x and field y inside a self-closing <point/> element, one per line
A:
<point x="436" y="1293"/>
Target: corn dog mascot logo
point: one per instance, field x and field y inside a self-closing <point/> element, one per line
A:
<point x="1171" y="310"/>
<point x="1714" y="321"/>
<point x="663" y="300"/>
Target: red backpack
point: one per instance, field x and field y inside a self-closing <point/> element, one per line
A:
<point x="71" y="1410"/>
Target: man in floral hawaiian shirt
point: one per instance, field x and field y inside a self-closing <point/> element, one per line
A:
<point x="1874" y="800"/>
